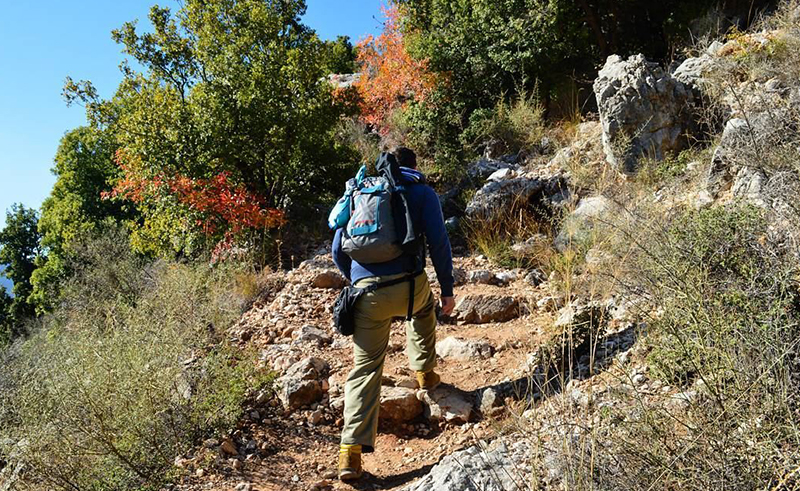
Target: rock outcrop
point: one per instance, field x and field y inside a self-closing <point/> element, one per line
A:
<point x="508" y="189"/>
<point x="497" y="466"/>
<point x="645" y="112"/>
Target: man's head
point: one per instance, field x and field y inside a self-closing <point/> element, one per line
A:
<point x="406" y="157"/>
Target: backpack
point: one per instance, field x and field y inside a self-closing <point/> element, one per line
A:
<point x="378" y="224"/>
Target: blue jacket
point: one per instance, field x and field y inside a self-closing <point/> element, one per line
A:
<point x="426" y="212"/>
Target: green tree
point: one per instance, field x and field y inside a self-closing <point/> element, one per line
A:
<point x="229" y="86"/>
<point x="5" y="316"/>
<point x="340" y="56"/>
<point x="84" y="170"/>
<point x="19" y="249"/>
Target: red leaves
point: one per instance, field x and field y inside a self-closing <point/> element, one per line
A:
<point x="390" y="76"/>
<point x="218" y="204"/>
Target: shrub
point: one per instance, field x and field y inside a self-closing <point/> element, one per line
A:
<point x="507" y="128"/>
<point x="131" y="370"/>
<point x="720" y="298"/>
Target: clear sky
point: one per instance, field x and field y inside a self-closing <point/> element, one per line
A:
<point x="44" y="41"/>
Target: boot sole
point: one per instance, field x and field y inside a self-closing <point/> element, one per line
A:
<point x="349" y="475"/>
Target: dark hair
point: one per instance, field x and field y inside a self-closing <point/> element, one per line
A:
<point x="406" y="157"/>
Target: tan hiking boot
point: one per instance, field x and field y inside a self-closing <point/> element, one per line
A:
<point x="428" y="380"/>
<point x="349" y="462"/>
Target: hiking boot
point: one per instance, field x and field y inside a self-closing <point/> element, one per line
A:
<point x="428" y="380"/>
<point x="349" y="462"/>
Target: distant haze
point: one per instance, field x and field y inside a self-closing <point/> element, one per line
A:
<point x="5" y="281"/>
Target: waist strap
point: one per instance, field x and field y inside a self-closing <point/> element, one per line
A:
<point x="411" y="289"/>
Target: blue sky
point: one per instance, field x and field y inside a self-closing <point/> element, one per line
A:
<point x="43" y="42"/>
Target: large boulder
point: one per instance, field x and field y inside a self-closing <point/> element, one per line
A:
<point x="507" y="190"/>
<point x="497" y="466"/>
<point x="645" y="112"/>
<point x="303" y="383"/>
<point x="482" y="309"/>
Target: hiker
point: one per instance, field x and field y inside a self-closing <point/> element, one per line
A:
<point x="373" y="312"/>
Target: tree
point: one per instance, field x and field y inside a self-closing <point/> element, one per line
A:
<point x="6" y="323"/>
<point x="84" y="169"/>
<point x="19" y="249"/>
<point x="340" y="56"/>
<point x="231" y="89"/>
<point x="390" y="77"/>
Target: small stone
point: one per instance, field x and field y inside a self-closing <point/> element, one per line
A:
<point x="200" y="472"/>
<point x="328" y="279"/>
<point x="255" y="416"/>
<point x="243" y="486"/>
<point x="211" y="443"/>
<point x="320" y="485"/>
<point x="482" y="277"/>
<point x="229" y="447"/>
<point x="295" y="478"/>
<point x="316" y="417"/>
<point x="236" y="464"/>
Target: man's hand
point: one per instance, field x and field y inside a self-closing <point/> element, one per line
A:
<point x="448" y="304"/>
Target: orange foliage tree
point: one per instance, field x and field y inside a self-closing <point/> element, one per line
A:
<point x="391" y="77"/>
<point x="216" y="207"/>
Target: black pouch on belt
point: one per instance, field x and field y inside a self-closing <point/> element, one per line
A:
<point x="344" y="309"/>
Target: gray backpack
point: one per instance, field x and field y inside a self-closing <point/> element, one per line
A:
<point x="380" y="228"/>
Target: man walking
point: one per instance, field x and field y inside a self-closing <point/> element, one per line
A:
<point x="374" y="313"/>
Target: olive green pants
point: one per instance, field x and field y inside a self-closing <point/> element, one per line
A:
<point x="373" y="317"/>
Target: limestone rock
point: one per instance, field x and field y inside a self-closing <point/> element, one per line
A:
<point x="645" y="112"/>
<point x="447" y="403"/>
<point x="310" y="334"/>
<point x="692" y="70"/>
<point x="481" y="309"/>
<point x="579" y="224"/>
<point x="302" y="383"/>
<point x="498" y="466"/>
<point x="399" y="404"/>
<point x="520" y="192"/>
<point x="484" y="168"/>
<point x="459" y="349"/>
<point x="480" y="276"/>
<point x="535" y="277"/>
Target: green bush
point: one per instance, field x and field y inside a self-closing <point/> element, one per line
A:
<point x="130" y="370"/>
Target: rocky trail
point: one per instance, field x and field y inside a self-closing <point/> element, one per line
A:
<point x="289" y="441"/>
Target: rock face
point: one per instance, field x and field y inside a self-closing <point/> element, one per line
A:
<point x="644" y="111"/>
<point x="302" y="383"/>
<point x="500" y="466"/>
<point x="459" y="349"/>
<point x="481" y="309"/>
<point x="399" y="404"/>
